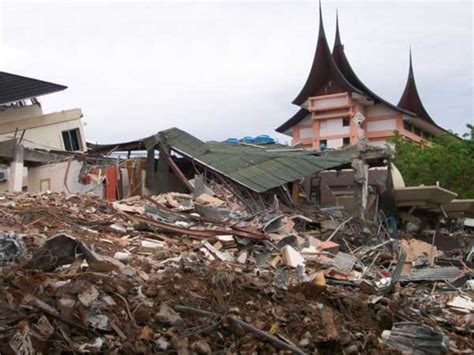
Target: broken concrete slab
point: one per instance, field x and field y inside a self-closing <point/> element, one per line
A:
<point x="291" y="257"/>
<point x="423" y="196"/>
<point x="433" y="274"/>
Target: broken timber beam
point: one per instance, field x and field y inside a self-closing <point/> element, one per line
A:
<point x="164" y="152"/>
<point x="205" y="233"/>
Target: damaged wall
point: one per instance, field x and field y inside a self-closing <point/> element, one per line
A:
<point x="58" y="178"/>
<point x="43" y="131"/>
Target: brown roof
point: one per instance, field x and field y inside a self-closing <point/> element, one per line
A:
<point x="344" y="66"/>
<point x="411" y="100"/>
<point x="324" y="76"/>
<point x="331" y="73"/>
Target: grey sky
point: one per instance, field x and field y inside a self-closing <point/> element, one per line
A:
<point x="229" y="69"/>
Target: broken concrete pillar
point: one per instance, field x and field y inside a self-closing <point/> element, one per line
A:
<point x="361" y="178"/>
<point x="15" y="178"/>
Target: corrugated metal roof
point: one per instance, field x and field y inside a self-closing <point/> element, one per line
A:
<point x="254" y="167"/>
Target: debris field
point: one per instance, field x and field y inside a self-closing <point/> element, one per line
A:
<point x="177" y="273"/>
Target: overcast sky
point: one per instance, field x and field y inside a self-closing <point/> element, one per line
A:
<point x="228" y="69"/>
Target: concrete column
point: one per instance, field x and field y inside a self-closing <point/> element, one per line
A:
<point x="15" y="176"/>
<point x="361" y="179"/>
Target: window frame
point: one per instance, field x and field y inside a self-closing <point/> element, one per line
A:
<point x="73" y="140"/>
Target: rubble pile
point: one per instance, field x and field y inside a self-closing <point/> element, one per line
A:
<point x="200" y="274"/>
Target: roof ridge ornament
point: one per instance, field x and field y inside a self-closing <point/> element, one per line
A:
<point x="337" y="40"/>
<point x="410" y="70"/>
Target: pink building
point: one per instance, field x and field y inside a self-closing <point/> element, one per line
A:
<point x="337" y="109"/>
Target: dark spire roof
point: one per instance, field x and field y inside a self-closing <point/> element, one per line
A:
<point x="411" y="100"/>
<point x="337" y="40"/>
<point x="344" y="66"/>
<point x="16" y="88"/>
<point x="333" y="67"/>
<point x="324" y="76"/>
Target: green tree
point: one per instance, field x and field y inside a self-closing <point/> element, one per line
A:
<point x="470" y="134"/>
<point x="449" y="161"/>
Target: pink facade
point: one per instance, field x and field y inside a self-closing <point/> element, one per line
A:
<point x="330" y="122"/>
<point x="333" y="99"/>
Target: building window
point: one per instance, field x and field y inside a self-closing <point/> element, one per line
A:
<point x="323" y="144"/>
<point x="417" y="131"/>
<point x="407" y="126"/>
<point x="346" y="141"/>
<point x="346" y="122"/>
<point x="72" y="140"/>
<point x="427" y="135"/>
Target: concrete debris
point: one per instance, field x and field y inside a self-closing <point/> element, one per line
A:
<point x="462" y="303"/>
<point x="88" y="296"/>
<point x="344" y="262"/>
<point x="291" y="257"/>
<point x="415" y="338"/>
<point x="448" y="273"/>
<point x="11" y="248"/>
<point x="156" y="275"/>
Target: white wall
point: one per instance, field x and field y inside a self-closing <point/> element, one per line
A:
<point x="15" y="113"/>
<point x="47" y="137"/>
<point x="44" y="131"/>
<point x="306" y="133"/>
<point x="56" y="174"/>
<point x="335" y="143"/>
<point x="379" y="110"/>
<point x="333" y="126"/>
<point x="382" y="125"/>
<point x="328" y="102"/>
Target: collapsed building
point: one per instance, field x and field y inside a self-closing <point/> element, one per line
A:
<point x="28" y="135"/>
<point x="231" y="247"/>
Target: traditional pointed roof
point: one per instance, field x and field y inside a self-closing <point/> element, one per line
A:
<point x="411" y="100"/>
<point x="324" y="76"/>
<point x="332" y="73"/>
<point x="344" y="66"/>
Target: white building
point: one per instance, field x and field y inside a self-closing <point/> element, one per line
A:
<point x="22" y="118"/>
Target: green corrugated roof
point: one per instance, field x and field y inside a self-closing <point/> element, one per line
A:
<point x="254" y="167"/>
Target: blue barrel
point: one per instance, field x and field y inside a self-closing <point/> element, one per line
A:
<point x="264" y="139"/>
<point x="248" y="139"/>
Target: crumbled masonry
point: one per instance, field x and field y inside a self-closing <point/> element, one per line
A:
<point x="152" y="275"/>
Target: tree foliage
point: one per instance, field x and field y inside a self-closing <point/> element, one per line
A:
<point x="448" y="161"/>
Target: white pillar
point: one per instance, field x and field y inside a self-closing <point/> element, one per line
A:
<point x="15" y="175"/>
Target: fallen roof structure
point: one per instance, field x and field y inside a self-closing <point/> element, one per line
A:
<point x="258" y="168"/>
